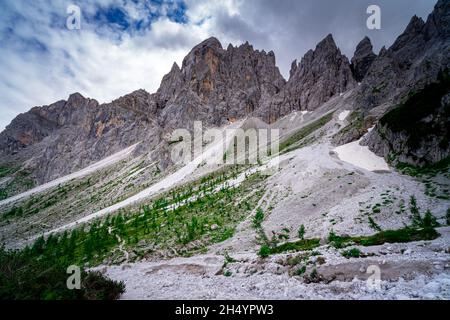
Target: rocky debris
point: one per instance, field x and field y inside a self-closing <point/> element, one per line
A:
<point x="321" y="74"/>
<point x="362" y="59"/>
<point x="421" y="274"/>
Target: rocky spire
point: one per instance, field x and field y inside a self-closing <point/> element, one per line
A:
<point x="321" y="74"/>
<point x="438" y="22"/>
<point x="362" y="59"/>
<point x="415" y="58"/>
<point x="412" y="31"/>
<point x="293" y="68"/>
<point x="215" y="85"/>
<point x="170" y="85"/>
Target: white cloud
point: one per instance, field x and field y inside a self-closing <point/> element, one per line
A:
<point x="96" y="63"/>
<point x="83" y="61"/>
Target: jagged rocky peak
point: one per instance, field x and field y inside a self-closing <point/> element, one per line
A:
<point x="362" y="59"/>
<point x="293" y="68"/>
<point x="31" y="127"/>
<point x="321" y="74"/>
<point x="415" y="59"/>
<point x="76" y="98"/>
<point x="412" y="31"/>
<point x="170" y="83"/>
<point x="203" y="57"/>
<point x="438" y="22"/>
<point x="215" y="85"/>
<point x="327" y="43"/>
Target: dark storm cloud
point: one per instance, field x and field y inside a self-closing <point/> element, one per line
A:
<point x="292" y="27"/>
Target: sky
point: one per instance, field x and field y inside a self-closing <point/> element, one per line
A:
<point x="125" y="45"/>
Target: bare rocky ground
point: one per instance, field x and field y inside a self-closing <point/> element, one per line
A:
<point x="315" y="188"/>
<point x="417" y="270"/>
<point x="311" y="186"/>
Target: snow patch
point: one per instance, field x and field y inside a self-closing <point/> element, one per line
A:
<point x="293" y="116"/>
<point x="343" y="115"/>
<point x="361" y="156"/>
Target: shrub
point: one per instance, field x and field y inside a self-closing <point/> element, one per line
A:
<point x="447" y="217"/>
<point x="25" y="276"/>
<point x="98" y="287"/>
<point x="300" y="271"/>
<point x="397" y="236"/>
<point x="313" y="277"/>
<point x="227" y="273"/>
<point x="352" y="253"/>
<point x="228" y="258"/>
<point x="335" y="240"/>
<point x="374" y="225"/>
<point x="264" y="251"/>
<point x="416" y="219"/>
<point x="301" y="232"/>
<point x="301" y="245"/>
<point x="258" y="218"/>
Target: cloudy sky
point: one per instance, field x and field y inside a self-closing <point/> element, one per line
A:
<point x="124" y="45"/>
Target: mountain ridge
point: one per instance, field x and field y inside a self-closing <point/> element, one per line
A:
<point x="217" y="86"/>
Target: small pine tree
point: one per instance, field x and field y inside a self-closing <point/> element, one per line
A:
<point x="259" y="217"/>
<point x="416" y="219"/>
<point x="429" y="221"/>
<point x="38" y="246"/>
<point x="301" y="232"/>
<point x="374" y="225"/>
<point x="447" y="217"/>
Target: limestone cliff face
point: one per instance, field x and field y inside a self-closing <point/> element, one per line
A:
<point x="69" y="135"/>
<point x="321" y="74"/>
<point x="216" y="85"/>
<point x="416" y="132"/>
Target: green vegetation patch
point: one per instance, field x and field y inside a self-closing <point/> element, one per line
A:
<point x="23" y="277"/>
<point x="301" y="245"/>
<point x="289" y="144"/>
<point x="432" y="170"/>
<point x="169" y="223"/>
<point x="403" y="235"/>
<point x="6" y="171"/>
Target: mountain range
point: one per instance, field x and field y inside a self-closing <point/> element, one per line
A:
<point x="361" y="179"/>
<point x="217" y="85"/>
